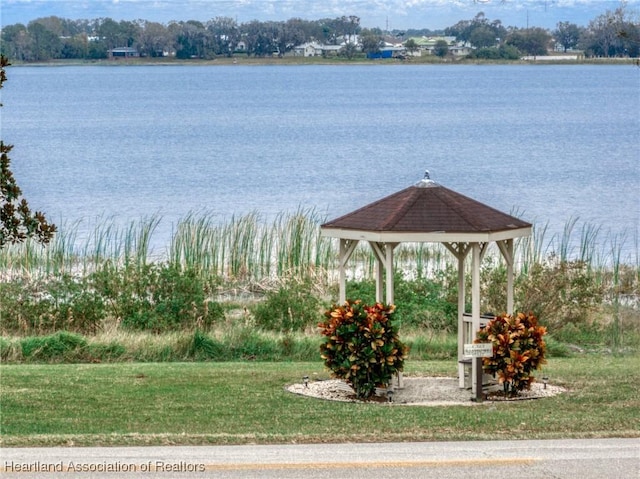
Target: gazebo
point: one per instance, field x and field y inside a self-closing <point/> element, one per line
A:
<point x="430" y="213"/>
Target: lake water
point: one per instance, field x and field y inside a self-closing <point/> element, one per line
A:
<point x="548" y="142"/>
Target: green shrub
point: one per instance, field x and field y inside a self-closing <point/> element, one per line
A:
<point x="205" y="348"/>
<point x="299" y="347"/>
<point x="432" y="346"/>
<point x="55" y="347"/>
<point x="504" y="52"/>
<point x="46" y="306"/>
<point x="144" y="297"/>
<point x="292" y="307"/>
<point x="361" y="345"/>
<point x="556" y="349"/>
<point x="17" y="306"/>
<point x="429" y="303"/>
<point x="364" y="289"/>
<point x="245" y="342"/>
<point x="518" y="350"/>
<point x="157" y="297"/>
<point x="493" y="287"/>
<point x="5" y="349"/>
<point x="560" y="293"/>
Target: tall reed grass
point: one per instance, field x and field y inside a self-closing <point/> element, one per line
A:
<point x="246" y="249"/>
<point x="79" y="249"/>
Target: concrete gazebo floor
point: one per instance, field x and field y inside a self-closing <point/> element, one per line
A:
<point x="419" y="391"/>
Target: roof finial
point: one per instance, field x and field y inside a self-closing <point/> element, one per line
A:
<point x="426" y="182"/>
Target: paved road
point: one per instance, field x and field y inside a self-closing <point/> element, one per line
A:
<point x="555" y="459"/>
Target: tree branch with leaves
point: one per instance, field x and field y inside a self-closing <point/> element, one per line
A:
<point x="17" y="221"/>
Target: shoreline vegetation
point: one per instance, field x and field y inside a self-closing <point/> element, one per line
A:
<point x="253" y="290"/>
<point x="157" y="350"/>
<point x="240" y="60"/>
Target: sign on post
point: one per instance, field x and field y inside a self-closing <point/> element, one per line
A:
<point x="478" y="350"/>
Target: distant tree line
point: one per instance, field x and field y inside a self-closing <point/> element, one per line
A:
<point x="58" y="38"/>
<point x="612" y="34"/>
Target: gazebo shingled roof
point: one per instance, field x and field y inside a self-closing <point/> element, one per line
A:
<point x="427" y="207"/>
<point x="429" y="212"/>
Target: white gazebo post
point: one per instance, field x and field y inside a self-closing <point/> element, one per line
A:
<point x="384" y="260"/>
<point x="475" y="314"/>
<point x="460" y="251"/>
<point x="389" y="299"/>
<point x="478" y="251"/>
<point x="384" y="270"/>
<point x="379" y="255"/>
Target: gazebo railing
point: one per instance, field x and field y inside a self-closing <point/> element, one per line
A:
<point x="468" y="335"/>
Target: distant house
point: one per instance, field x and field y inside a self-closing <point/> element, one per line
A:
<point x="427" y="45"/>
<point x="314" y="49"/>
<point x="123" y="52"/>
<point x="460" y="50"/>
<point x="309" y="49"/>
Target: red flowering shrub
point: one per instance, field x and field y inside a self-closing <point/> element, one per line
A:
<point x="361" y="345"/>
<point x="518" y="350"/>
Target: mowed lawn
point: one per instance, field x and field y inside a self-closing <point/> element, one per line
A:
<point x="246" y="402"/>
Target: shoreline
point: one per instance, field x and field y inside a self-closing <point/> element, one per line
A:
<point x="306" y="61"/>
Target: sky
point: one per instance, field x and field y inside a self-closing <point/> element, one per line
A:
<point x="385" y="14"/>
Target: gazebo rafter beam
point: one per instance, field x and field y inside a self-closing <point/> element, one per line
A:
<point x="347" y="247"/>
<point x="378" y="250"/>
<point x="507" y="252"/>
<point x="484" y="246"/>
<point x="459" y="249"/>
<point x="506" y="248"/>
